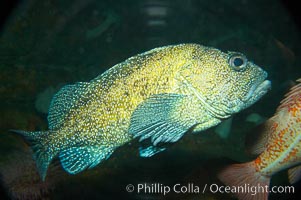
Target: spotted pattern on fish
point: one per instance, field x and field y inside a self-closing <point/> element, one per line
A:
<point x="280" y="149"/>
<point x="158" y="96"/>
<point x="284" y="145"/>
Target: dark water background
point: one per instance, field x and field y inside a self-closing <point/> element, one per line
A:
<point x="47" y="44"/>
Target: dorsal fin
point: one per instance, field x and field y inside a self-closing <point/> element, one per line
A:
<point x="292" y="96"/>
<point x="61" y="103"/>
<point x="270" y="126"/>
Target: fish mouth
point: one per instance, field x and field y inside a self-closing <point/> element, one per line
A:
<point x="257" y="91"/>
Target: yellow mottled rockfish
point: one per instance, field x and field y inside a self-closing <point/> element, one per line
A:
<point x="280" y="148"/>
<point x="156" y="96"/>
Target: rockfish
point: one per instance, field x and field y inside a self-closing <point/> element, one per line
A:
<point x="156" y="96"/>
<point x="280" y="148"/>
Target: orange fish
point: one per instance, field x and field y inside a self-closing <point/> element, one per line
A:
<point x="279" y="148"/>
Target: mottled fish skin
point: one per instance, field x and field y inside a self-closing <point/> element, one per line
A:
<point x="283" y="149"/>
<point x="159" y="95"/>
<point x="279" y="149"/>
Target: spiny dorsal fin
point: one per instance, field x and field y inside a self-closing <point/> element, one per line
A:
<point x="293" y="95"/>
<point x="62" y="102"/>
<point x="269" y="127"/>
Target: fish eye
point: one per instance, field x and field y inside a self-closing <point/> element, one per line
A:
<point x="238" y="62"/>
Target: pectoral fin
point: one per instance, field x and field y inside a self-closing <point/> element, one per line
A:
<point x="224" y="128"/>
<point x="150" y="151"/>
<point x="159" y="119"/>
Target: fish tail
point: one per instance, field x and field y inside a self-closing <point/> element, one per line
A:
<point x="248" y="183"/>
<point x="41" y="149"/>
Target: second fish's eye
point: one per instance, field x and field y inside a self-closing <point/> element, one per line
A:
<point x="238" y="61"/>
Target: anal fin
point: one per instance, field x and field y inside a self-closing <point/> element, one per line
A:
<point x="77" y="159"/>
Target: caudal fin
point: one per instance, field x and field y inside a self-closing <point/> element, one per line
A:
<point x="246" y="182"/>
<point x="41" y="153"/>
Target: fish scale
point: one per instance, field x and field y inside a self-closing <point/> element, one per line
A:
<point x="279" y="147"/>
<point x="285" y="145"/>
<point x="156" y="96"/>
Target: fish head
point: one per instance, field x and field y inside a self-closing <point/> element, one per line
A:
<point x="225" y="83"/>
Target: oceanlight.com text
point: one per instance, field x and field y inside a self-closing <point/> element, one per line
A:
<point x="191" y="188"/>
<point x="252" y="189"/>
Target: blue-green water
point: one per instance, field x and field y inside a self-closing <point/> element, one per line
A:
<point x="47" y="44"/>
